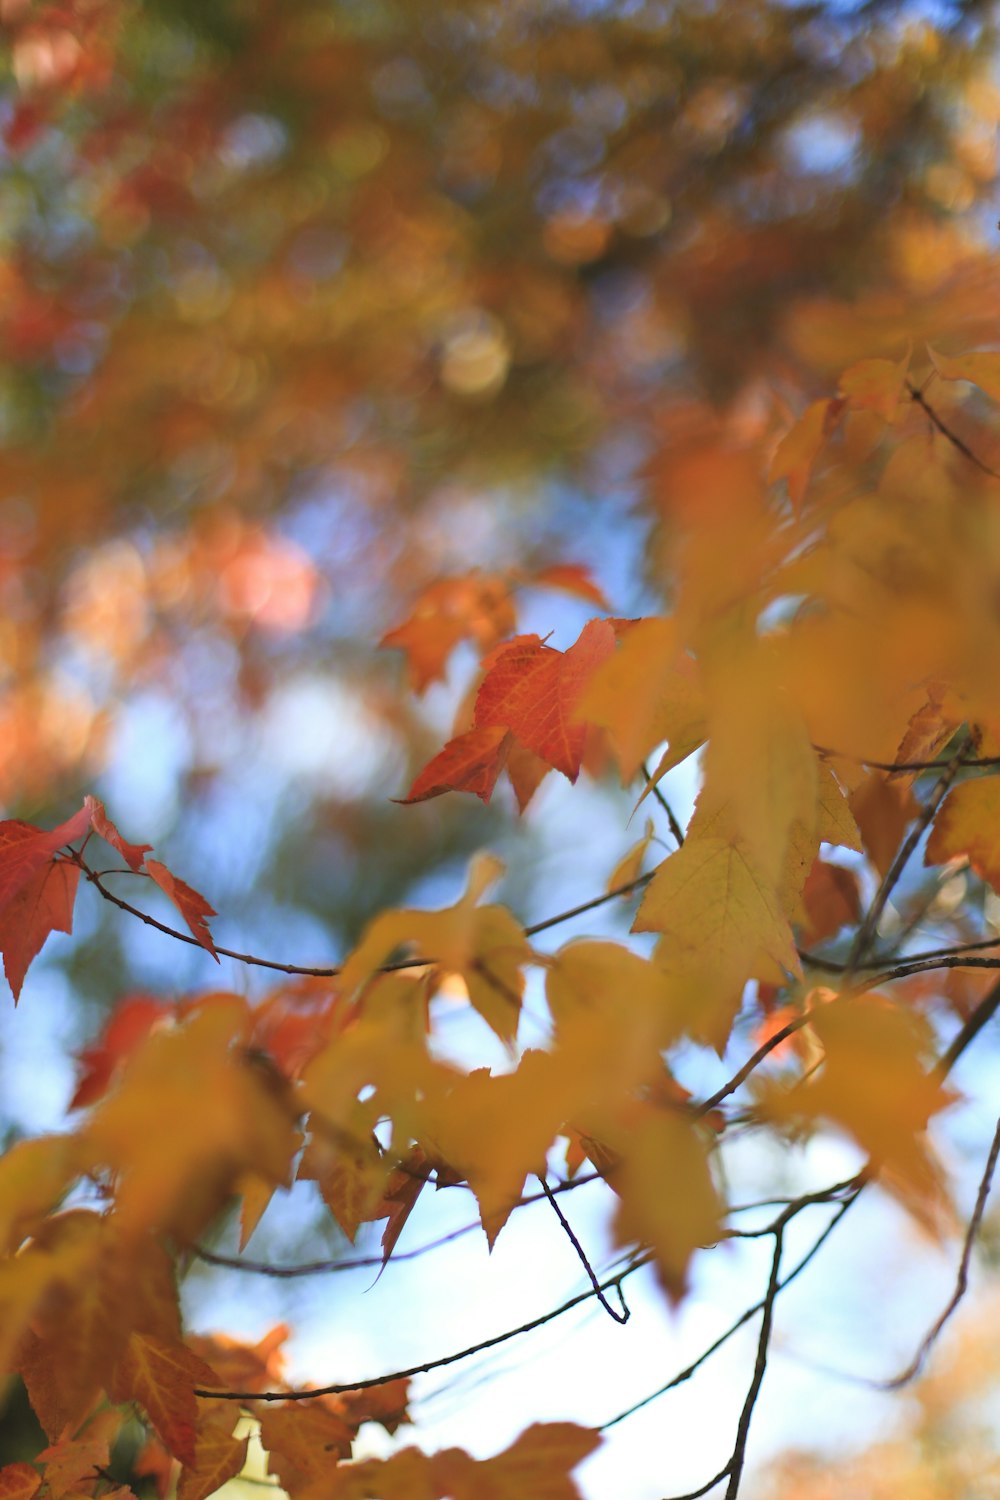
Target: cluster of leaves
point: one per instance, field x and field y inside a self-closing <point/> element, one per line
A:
<point x="414" y="264"/>
<point x="336" y="1080"/>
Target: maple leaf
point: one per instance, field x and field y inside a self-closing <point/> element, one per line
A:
<point x="302" y="1438"/>
<point x="875" y="1083"/>
<point x="979" y="369"/>
<point x="495" y="1129"/>
<point x="831" y="899"/>
<point x="192" y="906"/>
<point x="584" y="986"/>
<point x="226" y="1117"/>
<point x="241" y="1366"/>
<point x="802" y="444"/>
<point x="528" y="698"/>
<point x="132" y="854"/>
<point x="884" y="810"/>
<point x="875" y="385"/>
<point x="647" y="692"/>
<point x="968" y="824"/>
<point x="352" y="1176"/>
<point x="218" y="1455"/>
<point x="106" y="1288"/>
<point x="536" y="1466"/>
<point x="477" y="606"/>
<point x="162" y="1378"/>
<point x="71" y="1466"/>
<point x="759" y="762"/>
<point x="533" y="691"/>
<point x="34" y="1175"/>
<point x="24" y="850"/>
<point x="471" y="762"/>
<point x="19" y="1481"/>
<point x="722" y="922"/>
<point x="127" y="1027"/>
<point x="570" y="578"/>
<point x="43" y="905"/>
<point x="483" y="944"/>
<point x="629" y="867"/>
<point x="385" y="1404"/>
<point x="668" y="1199"/>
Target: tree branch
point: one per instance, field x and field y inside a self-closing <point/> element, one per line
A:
<point x="869" y="925"/>
<point x="342" y="1388"/>
<point x="961" y="1281"/>
<point x="619" y="1317"/>
<point x="917" y="396"/>
<point x="760" y="1365"/>
<point x="331" y="971"/>
<point x="751" y="1312"/>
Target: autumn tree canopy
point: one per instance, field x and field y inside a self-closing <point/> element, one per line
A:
<point x="500" y="577"/>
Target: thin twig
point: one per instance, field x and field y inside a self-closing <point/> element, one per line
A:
<point x="754" y="1061"/>
<point x="366" y="1262"/>
<point x="913" y="1369"/>
<point x="962" y="1279"/>
<point x="619" y="1317"/>
<point x="970" y="1029"/>
<point x="917" y="396"/>
<point x="750" y="1312"/>
<point x="703" y="1489"/>
<point x="654" y="787"/>
<point x="341" y="1388"/>
<point x="974" y="762"/>
<point x="868" y="927"/>
<point x="760" y="1365"/>
<point x="333" y="970"/>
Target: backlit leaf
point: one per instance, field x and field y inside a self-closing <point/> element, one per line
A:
<point x="968" y="823"/>
<point x="192" y="906"/>
<point x="979" y="369"/>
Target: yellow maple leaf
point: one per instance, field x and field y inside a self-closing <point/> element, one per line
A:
<point x="668" y="1199"/>
<point x="646" y="693"/>
<point x="875" y="1084"/>
<point x="495" y="1130"/>
<point x="225" y="1115"/>
<point x="629" y="867"/>
<point x="801" y="445"/>
<point x="485" y="945"/>
<point x="759" y="762"/>
<point x="875" y="385"/>
<point x="968" y="823"/>
<point x="614" y="1013"/>
<point x="721" y="922"/>
<point x="979" y="369"/>
<point x="383" y="1047"/>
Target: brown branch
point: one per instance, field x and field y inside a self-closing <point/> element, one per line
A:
<point x="342" y="1388"/>
<point x="333" y="970"/>
<point x="619" y="1317"/>
<point x="858" y="1184"/>
<point x="760" y="1365"/>
<point x="367" y="1262"/>
<point x="973" y="762"/>
<point x="913" y="1369"/>
<point x="742" y="1074"/>
<point x="970" y="1029"/>
<point x="962" y="1279"/>
<point x="917" y="396"/>
<point x="703" y="1489"/>
<point x="869" y="925"/>
<point x="655" y="791"/>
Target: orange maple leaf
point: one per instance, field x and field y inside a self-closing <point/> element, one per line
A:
<point x="190" y="903"/>
<point x="42" y="905"/>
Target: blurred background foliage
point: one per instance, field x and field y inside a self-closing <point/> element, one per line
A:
<point x="305" y="304"/>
